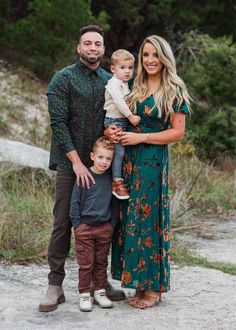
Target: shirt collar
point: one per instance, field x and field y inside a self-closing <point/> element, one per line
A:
<point x="119" y="80"/>
<point x="86" y="70"/>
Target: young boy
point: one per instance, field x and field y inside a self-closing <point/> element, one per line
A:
<point x="118" y="112"/>
<point x="92" y="218"/>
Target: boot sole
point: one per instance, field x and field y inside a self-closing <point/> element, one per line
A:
<point x="85" y="309"/>
<point x="51" y="308"/>
<point x="116" y="296"/>
<point x="120" y="197"/>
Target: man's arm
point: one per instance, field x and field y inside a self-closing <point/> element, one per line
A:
<point x="58" y="106"/>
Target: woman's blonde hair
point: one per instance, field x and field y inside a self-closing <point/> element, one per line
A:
<point x="172" y="88"/>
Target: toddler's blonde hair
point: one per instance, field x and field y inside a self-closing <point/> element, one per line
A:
<point x="121" y="55"/>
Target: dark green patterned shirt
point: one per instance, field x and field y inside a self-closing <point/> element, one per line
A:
<point x="75" y="103"/>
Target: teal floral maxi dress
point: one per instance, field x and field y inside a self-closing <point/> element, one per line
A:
<point x="141" y="242"/>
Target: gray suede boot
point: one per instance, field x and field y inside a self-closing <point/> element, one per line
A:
<point x="114" y="294"/>
<point x="53" y="297"/>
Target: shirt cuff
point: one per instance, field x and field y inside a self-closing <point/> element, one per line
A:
<point x="67" y="147"/>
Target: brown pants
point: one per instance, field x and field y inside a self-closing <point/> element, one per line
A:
<point x="92" y="245"/>
<point x="59" y="245"/>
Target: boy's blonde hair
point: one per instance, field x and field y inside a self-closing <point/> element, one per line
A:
<point x="121" y="55"/>
<point x="103" y="142"/>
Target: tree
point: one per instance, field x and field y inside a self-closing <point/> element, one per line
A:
<point x="132" y="20"/>
<point x="44" y="40"/>
<point x="210" y="73"/>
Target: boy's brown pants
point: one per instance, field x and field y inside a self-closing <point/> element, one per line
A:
<point x="92" y="244"/>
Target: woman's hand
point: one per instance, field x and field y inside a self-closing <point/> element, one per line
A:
<point x="129" y="138"/>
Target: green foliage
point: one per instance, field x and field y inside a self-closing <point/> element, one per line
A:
<point x="210" y="73"/>
<point x="45" y="39"/>
<point x="4" y="12"/>
<point x="132" y="20"/>
<point x="196" y="186"/>
<point x="26" y="212"/>
<point x="41" y="34"/>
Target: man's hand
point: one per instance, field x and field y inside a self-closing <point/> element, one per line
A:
<point x="113" y="133"/>
<point x="83" y="175"/>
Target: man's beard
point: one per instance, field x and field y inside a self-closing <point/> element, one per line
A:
<point x="89" y="60"/>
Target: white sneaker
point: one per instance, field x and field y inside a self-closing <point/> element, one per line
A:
<point x="101" y="299"/>
<point x="85" y="302"/>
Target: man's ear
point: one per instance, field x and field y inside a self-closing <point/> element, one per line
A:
<point x="112" y="68"/>
<point x="78" y="48"/>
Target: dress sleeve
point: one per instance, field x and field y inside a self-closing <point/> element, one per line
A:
<point x="181" y="108"/>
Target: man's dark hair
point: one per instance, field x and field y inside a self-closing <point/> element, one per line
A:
<point x="91" y="28"/>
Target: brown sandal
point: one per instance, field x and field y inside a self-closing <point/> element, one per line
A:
<point x="137" y="297"/>
<point x="147" y="301"/>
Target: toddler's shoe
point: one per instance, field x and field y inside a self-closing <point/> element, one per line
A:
<point x="85" y="302"/>
<point x="101" y="299"/>
<point x="119" y="189"/>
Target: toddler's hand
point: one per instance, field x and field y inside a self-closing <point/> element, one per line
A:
<point x="134" y="119"/>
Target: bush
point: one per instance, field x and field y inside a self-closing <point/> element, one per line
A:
<point x="45" y="39"/>
<point x="210" y="74"/>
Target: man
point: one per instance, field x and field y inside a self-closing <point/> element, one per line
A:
<point x="75" y="102"/>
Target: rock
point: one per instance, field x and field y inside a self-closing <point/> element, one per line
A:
<point x="23" y="154"/>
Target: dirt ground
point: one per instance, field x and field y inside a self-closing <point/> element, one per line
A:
<point x="200" y="298"/>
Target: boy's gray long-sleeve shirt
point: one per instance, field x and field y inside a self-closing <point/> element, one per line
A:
<point x="95" y="205"/>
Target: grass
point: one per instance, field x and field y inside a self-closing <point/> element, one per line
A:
<point x="196" y="186"/>
<point x="26" y="213"/>
<point x="3" y="123"/>
<point x="12" y="112"/>
<point x="181" y="255"/>
<point x="27" y="197"/>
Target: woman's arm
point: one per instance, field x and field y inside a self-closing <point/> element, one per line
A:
<point x="173" y="134"/>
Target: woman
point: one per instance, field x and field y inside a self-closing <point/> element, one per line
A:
<point x="140" y="257"/>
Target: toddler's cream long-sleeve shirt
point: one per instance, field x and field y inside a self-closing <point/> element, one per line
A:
<point x="116" y="92"/>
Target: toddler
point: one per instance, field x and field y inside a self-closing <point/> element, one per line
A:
<point x="118" y="112"/>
